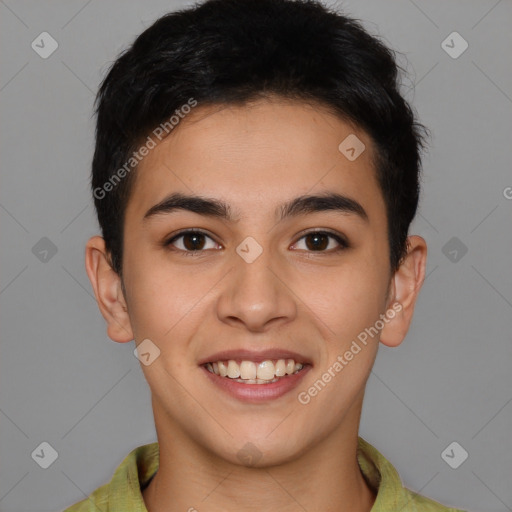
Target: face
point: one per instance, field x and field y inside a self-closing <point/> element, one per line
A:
<point x="259" y="283"/>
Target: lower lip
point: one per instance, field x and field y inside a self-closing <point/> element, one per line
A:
<point x="256" y="393"/>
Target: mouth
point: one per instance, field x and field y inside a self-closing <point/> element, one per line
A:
<point x="254" y="377"/>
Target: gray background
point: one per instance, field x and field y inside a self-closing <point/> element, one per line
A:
<point x="64" y="382"/>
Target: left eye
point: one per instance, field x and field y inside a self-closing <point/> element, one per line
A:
<point x="318" y="241"/>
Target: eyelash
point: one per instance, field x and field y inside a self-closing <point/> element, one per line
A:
<point x="168" y="243"/>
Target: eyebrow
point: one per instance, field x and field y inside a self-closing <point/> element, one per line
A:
<point x="216" y="208"/>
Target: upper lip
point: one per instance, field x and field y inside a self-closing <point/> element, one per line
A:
<point x="256" y="356"/>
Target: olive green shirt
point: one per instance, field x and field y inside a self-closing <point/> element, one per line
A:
<point x="124" y="492"/>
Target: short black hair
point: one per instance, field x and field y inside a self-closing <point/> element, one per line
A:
<point x="236" y="51"/>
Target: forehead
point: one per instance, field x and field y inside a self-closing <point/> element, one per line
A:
<point x="257" y="156"/>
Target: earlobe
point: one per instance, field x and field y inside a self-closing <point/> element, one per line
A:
<point x="405" y="287"/>
<point x="107" y="288"/>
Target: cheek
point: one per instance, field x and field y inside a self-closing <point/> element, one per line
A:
<point x="347" y="303"/>
<point x="166" y="301"/>
<point x="346" y="299"/>
<point x="154" y="299"/>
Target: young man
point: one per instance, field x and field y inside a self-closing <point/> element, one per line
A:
<point x="255" y="175"/>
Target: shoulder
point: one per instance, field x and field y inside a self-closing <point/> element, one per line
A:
<point x="391" y="494"/>
<point x="123" y="492"/>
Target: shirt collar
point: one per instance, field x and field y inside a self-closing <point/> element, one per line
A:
<point x="384" y="479"/>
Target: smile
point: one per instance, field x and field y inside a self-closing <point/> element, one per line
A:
<point x="241" y="379"/>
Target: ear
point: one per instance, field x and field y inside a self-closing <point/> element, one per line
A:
<point x="404" y="288"/>
<point x="108" y="291"/>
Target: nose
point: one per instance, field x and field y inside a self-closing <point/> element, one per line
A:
<point x="256" y="294"/>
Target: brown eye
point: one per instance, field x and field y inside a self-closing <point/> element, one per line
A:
<point x="193" y="241"/>
<point x="320" y="241"/>
<point x="190" y="241"/>
<point x="317" y="241"/>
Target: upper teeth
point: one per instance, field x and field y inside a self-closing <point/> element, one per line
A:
<point x="266" y="370"/>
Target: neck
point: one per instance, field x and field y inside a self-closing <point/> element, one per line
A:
<point x="326" y="477"/>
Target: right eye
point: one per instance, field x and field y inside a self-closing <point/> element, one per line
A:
<point x="191" y="241"/>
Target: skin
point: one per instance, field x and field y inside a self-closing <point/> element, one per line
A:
<point x="293" y="296"/>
